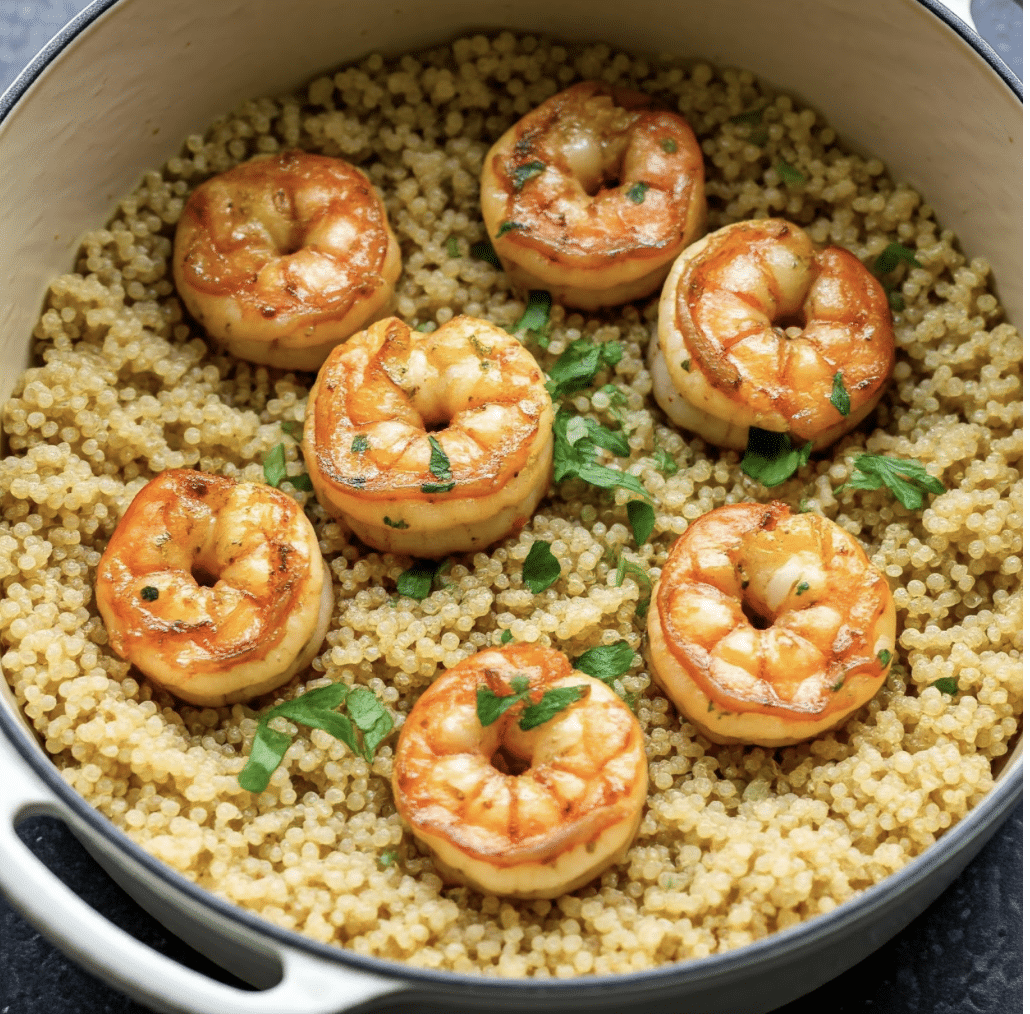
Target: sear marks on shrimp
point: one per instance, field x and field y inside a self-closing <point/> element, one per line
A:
<point x="214" y="589"/>
<point x="533" y="833"/>
<point x="285" y="256"/>
<point x="593" y="194"/>
<point x="769" y="627"/>
<point x="755" y="327"/>
<point x="430" y="443"/>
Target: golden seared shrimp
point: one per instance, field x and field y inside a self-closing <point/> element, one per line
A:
<point x="758" y="327"/>
<point x="285" y="256"/>
<point x="593" y="194"/>
<point x="430" y="444"/>
<point x="214" y="589"/>
<point x="525" y="814"/>
<point x="769" y="627"/>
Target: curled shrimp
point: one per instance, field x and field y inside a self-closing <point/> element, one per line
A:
<point x="285" y="256"/>
<point x="769" y="627"/>
<point x="527" y="814"/>
<point x="214" y="589"/>
<point x="593" y="194"/>
<point x="758" y="327"/>
<point x="430" y="443"/>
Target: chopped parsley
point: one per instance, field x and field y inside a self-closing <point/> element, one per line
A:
<point x="803" y="586"/>
<point x="522" y="174"/>
<point x="752" y="116"/>
<point x="884" y="657"/>
<point x="790" y="175"/>
<point x="149" y="593"/>
<point x="771" y="458"/>
<point x="576" y="442"/>
<point x="606" y="662"/>
<point x="440" y="466"/>
<point x="946" y="685"/>
<point x="388" y="859"/>
<point x="453" y="250"/>
<point x="541" y="568"/>
<point x="640" y="576"/>
<point x="292" y="428"/>
<point x="483" y="251"/>
<point x="839" y="397"/>
<point x="490" y="706"/>
<point x="507" y="227"/>
<point x="891" y="256"/>
<point x="641" y="520"/>
<point x="302" y="482"/>
<point x="665" y="462"/>
<point x="359" y="444"/>
<point x="390" y="523"/>
<point x="506" y="637"/>
<point x="669" y="146"/>
<point x="417" y="581"/>
<point x="638" y="192"/>
<point x="577" y="366"/>
<point x="685" y="366"/>
<point x="906" y="478"/>
<point x="275" y="465"/>
<point x="426" y="326"/>
<point x="364" y="726"/>
<point x="537" y="314"/>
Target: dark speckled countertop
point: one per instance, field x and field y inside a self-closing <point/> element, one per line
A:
<point x="964" y="955"/>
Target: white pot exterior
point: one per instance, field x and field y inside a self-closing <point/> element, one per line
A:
<point x="892" y="77"/>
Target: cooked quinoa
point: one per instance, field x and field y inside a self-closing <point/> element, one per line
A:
<point x="736" y="842"/>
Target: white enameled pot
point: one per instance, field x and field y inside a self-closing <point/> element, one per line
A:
<point x="115" y="94"/>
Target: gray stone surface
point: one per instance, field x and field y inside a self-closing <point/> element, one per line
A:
<point x="963" y="956"/>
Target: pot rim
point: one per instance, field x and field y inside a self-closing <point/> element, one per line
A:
<point x="771" y="950"/>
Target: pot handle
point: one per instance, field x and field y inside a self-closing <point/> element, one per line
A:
<point x="309" y="985"/>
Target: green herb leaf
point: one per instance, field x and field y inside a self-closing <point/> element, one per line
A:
<point x="417" y="581"/>
<point x="426" y="326"/>
<point x="317" y="710"/>
<point x="484" y="251"/>
<point x="789" y="174"/>
<point x="615" y="396"/>
<point x="538" y="312"/>
<point x="946" y="685"/>
<point x="555" y="700"/>
<point x="685" y="365"/>
<point x="388" y="859"/>
<point x="266" y="754"/>
<point x="149" y="593"/>
<point x="906" y="478"/>
<point x="490" y="706"/>
<point x="896" y="301"/>
<point x="506" y="637"/>
<point x="370" y="717"/>
<point x="390" y="523"/>
<point x="522" y="174"/>
<point x="439" y="463"/>
<point x="453" y="250"/>
<point x="638" y="192"/>
<point x="507" y="227"/>
<point x="640" y="576"/>
<point x="770" y="458"/>
<point x="606" y="661"/>
<point x="884" y="657"/>
<point x="839" y="397"/>
<point x="669" y="146"/>
<point x="359" y="444"/>
<point x="292" y="428"/>
<point x="575" y="450"/>
<point x="275" y="465"/>
<point x="805" y="507"/>
<point x="541" y="568"/>
<point x="641" y="520"/>
<point x="803" y="586"/>
<point x="577" y="366"/>
<point x="665" y="462"/>
<point x="301" y="482"/>
<point x="437" y="487"/>
<point x="891" y="256"/>
<point x="752" y="116"/>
